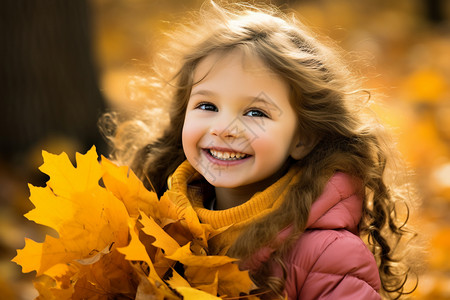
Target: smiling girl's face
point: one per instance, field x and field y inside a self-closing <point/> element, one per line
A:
<point x="239" y="128"/>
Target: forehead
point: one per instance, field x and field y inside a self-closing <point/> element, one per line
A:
<point x="249" y="61"/>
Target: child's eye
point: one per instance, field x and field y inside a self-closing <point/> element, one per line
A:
<point x="207" y="106"/>
<point x="256" y="113"/>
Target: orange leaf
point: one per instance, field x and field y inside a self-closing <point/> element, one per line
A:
<point x="31" y="257"/>
<point x="87" y="220"/>
<point x="200" y="277"/>
<point x="51" y="210"/>
<point x="187" y="213"/>
<point x="48" y="290"/>
<point x="111" y="275"/>
<point x="168" y="210"/>
<point x="194" y="294"/>
<point x="163" y="240"/>
<point x="136" y="251"/>
<point x="231" y="281"/>
<point x="212" y="287"/>
<point x="124" y="184"/>
<point x="65" y="179"/>
<point x="186" y="257"/>
<point x="148" y="290"/>
<point x="63" y="274"/>
<point x="177" y="280"/>
<point x="179" y="232"/>
<point x="174" y="207"/>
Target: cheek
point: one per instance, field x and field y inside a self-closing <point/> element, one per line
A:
<point x="267" y="144"/>
<point x="191" y="133"/>
<point x="186" y="136"/>
<point x="274" y="142"/>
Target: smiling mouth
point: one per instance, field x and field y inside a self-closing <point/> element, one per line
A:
<point x="226" y="155"/>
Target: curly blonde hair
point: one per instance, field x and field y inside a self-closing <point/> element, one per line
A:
<point x="329" y="104"/>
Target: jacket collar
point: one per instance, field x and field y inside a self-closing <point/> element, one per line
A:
<point x="339" y="206"/>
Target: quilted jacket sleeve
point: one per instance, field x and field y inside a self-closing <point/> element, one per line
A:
<point x="332" y="264"/>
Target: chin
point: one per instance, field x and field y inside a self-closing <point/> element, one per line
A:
<point x="216" y="182"/>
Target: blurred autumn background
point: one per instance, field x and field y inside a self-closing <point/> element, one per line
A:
<point x="64" y="63"/>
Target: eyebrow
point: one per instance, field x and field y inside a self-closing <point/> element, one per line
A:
<point x="204" y="93"/>
<point x="251" y="99"/>
<point x="264" y="101"/>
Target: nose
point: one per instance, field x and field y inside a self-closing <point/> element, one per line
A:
<point x="227" y="127"/>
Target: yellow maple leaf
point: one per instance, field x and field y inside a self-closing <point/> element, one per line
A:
<point x="98" y="221"/>
<point x="110" y="277"/>
<point x="135" y="251"/>
<point x="61" y="270"/>
<point x="56" y="282"/>
<point x="168" y="209"/>
<point x="187" y="214"/>
<point x="194" y="294"/>
<point x="48" y="289"/>
<point x="86" y="216"/>
<point x="65" y="179"/>
<point x="125" y="185"/>
<point x="226" y="279"/>
<point x="173" y="207"/>
<point x="50" y="210"/>
<point x="42" y="256"/>
<point x="162" y="239"/>
<point x="232" y="281"/>
<point x="147" y="290"/>
<point x="187" y="258"/>
<point x="177" y="280"/>
<point x="179" y="232"/>
<point x="209" y="284"/>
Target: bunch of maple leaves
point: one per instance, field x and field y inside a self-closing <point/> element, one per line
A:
<point x="116" y="239"/>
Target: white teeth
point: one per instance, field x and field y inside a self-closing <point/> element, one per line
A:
<point x="227" y="155"/>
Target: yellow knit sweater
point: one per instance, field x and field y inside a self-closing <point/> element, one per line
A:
<point x="188" y="183"/>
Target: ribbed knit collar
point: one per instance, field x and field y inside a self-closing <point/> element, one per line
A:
<point x="258" y="206"/>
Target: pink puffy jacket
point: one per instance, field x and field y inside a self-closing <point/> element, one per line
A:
<point x="329" y="260"/>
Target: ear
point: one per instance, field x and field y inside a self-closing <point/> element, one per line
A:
<point x="302" y="146"/>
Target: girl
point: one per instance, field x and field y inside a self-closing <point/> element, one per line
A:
<point x="268" y="137"/>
